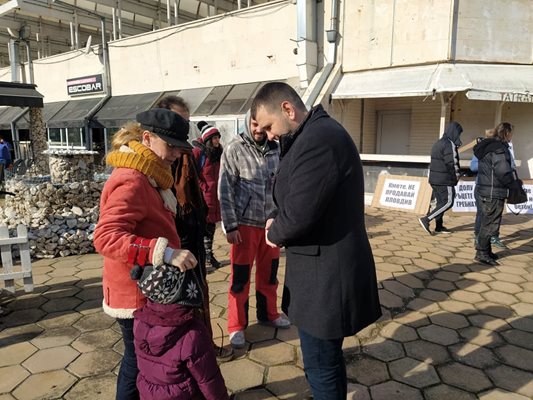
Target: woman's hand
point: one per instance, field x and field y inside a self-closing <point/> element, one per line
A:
<point x="183" y="259"/>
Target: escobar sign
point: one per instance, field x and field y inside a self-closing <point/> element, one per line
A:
<point x="85" y="85"/>
<point x="398" y="193"/>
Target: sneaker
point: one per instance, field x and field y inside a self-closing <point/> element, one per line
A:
<point x="424" y="221"/>
<point x="281" y="322"/>
<point x="493" y="256"/>
<point x="224" y="354"/>
<point x="476" y="240"/>
<point x="495" y="240"/>
<point x="442" y="229"/>
<point x="237" y="339"/>
<point x="486" y="260"/>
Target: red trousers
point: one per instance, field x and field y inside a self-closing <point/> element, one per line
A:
<point x="242" y="256"/>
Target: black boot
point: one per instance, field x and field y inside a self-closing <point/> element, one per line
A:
<point x="486" y="259"/>
<point x="211" y="261"/>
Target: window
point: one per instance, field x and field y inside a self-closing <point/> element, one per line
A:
<point x="67" y="137"/>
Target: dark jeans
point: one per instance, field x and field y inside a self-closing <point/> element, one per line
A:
<point x="127" y="375"/>
<point x="490" y="223"/>
<point x="444" y="196"/>
<point x="477" y="224"/>
<point x="324" y="367"/>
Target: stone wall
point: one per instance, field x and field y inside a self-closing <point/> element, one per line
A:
<point x="65" y="168"/>
<point x="61" y="218"/>
<point x="38" y="142"/>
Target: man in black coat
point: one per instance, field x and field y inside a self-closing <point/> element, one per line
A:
<point x="443" y="176"/>
<point x="330" y="289"/>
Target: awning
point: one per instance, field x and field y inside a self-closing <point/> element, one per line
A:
<point x="7" y="115"/>
<point x="512" y="83"/>
<point x="73" y="114"/>
<point x="120" y="109"/>
<point x="49" y="110"/>
<point x="19" y="94"/>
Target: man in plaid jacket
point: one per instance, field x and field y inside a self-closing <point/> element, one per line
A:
<point x="247" y="171"/>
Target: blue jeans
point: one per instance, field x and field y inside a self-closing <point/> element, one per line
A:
<point x="127" y="375"/>
<point x="324" y="367"/>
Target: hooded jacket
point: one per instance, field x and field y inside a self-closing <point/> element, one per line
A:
<point x="444" y="167"/>
<point x="208" y="172"/>
<point x="495" y="172"/>
<point x="175" y="355"/>
<point x="246" y="180"/>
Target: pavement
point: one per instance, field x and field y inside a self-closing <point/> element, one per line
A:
<point x="451" y="329"/>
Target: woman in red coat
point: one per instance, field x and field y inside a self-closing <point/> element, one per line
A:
<point x="136" y="225"/>
<point x="207" y="153"/>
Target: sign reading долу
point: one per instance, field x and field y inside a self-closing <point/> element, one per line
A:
<point x="464" y="197"/>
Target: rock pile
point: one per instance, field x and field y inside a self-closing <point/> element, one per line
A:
<point x="61" y="218"/>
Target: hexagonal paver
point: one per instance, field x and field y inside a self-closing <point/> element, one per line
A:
<point x="384" y="350"/>
<point x="92" y="293"/>
<point x="488" y="322"/>
<point x="473" y="355"/>
<point x="512" y="379"/>
<point x="259" y="333"/>
<point x="272" y="352"/>
<point x="518" y="338"/>
<point x="422" y="305"/>
<point x="287" y="382"/>
<point x="464" y="377"/>
<point x="449" y="320"/>
<point x="15" y="353"/>
<point x="427" y="351"/>
<point x="367" y="371"/>
<point x="401" y="333"/>
<point x="395" y="390"/>
<point x="516" y="357"/>
<point x="525" y="324"/>
<point x="242" y="374"/>
<point x="50" y="359"/>
<point x="260" y="394"/>
<point x="433" y="295"/>
<point x="94" y="363"/>
<point x="458" y="307"/>
<point x="94" y="387"/>
<point x="61" y="304"/>
<point x="505" y="287"/>
<point x="24" y="303"/>
<point x="399" y="289"/>
<point x="498" y="394"/>
<point x="48" y="385"/>
<point x="442" y="392"/>
<point x="56" y="337"/>
<point x="413" y="372"/>
<point x="94" y="322"/>
<point x="90" y="341"/>
<point x="412" y="318"/>
<point x="11" y="377"/>
<point x="500" y="297"/>
<point x="389" y="300"/>
<point x="22" y="317"/>
<point x="62" y="290"/>
<point x="438" y="334"/>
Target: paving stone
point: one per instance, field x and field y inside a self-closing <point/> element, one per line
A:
<point x="464" y="377"/>
<point x="481" y="337"/>
<point x="496" y="310"/>
<point x="30" y="302"/>
<point x="472" y="286"/>
<point x="260" y="394"/>
<point x="526" y="297"/>
<point x="287" y="382"/>
<point x="390" y="300"/>
<point x="259" y="333"/>
<point x="489" y="322"/>
<point x="449" y="320"/>
<point x="242" y="374"/>
<point x="500" y="297"/>
<point x="423" y="305"/>
<point x="398" y="332"/>
<point x="22" y="317"/>
<point x="399" y="289"/>
<point x="440" y="285"/>
<point x="505" y="277"/>
<point x="367" y="371"/>
<point x="350" y="345"/>
<point x="395" y="390"/>
<point x="410" y="281"/>
<point x="445" y="392"/>
<point x="356" y="392"/>
<point x="94" y="322"/>
<point x="518" y="338"/>
<point x="413" y="372"/>
<point x="384" y="350"/>
<point x="412" y="318"/>
<point x="6" y="396"/>
<point x="48" y="385"/>
<point x="399" y="260"/>
<point x="18" y="334"/>
<point x="63" y="271"/>
<point x="50" y="359"/>
<point x="94" y="387"/>
<point x="12" y="376"/>
<point x="458" y="307"/>
<point x="94" y="362"/>
<point x="433" y="295"/>
<point x="473" y="355"/>
<point x="94" y="340"/>
<point x="498" y="394"/>
<point x="523" y="309"/>
<point x="448" y="276"/>
<point x="525" y="324"/>
<point x="59" y="319"/>
<point x="426" y="351"/>
<point x="505" y="287"/>
<point x="272" y="352"/>
<point x="389" y="267"/>
<point x="15" y="353"/>
<point x="435" y="258"/>
<point x="478" y="277"/>
<point x="61" y="304"/>
<point x="91" y="293"/>
<point x="56" y="337"/>
<point x="89" y="307"/>
<point x="516" y="356"/>
<point x="512" y="379"/>
<point x="438" y="334"/>
<point x="466" y="296"/>
<point x="89" y="274"/>
<point x="289" y="336"/>
<point x="66" y="289"/>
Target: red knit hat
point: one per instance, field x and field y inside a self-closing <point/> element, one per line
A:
<point x="208" y="131"/>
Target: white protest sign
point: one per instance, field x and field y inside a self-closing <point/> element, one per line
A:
<point x="524" y="208"/>
<point x="464" y="197"/>
<point x="398" y="193"/>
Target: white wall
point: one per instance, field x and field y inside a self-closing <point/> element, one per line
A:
<point x="248" y="46"/>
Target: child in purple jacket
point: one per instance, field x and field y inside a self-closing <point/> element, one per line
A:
<point x="174" y="351"/>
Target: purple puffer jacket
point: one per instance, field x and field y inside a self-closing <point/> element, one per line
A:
<point x="175" y="355"/>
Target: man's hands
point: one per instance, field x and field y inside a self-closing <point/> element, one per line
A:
<point x="234" y="237"/>
<point x="267" y="227"/>
<point x="183" y="259"/>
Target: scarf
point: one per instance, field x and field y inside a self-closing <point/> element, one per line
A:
<point x="139" y="157"/>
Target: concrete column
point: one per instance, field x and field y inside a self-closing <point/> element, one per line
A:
<point x="39" y="143"/>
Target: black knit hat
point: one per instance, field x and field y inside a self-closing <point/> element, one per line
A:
<point x="166" y="284"/>
<point x="166" y="124"/>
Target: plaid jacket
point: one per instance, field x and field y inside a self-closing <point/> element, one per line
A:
<point x="245" y="183"/>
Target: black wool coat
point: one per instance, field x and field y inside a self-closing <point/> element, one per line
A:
<point x="330" y="288"/>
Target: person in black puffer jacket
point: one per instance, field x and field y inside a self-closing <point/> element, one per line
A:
<point x="443" y="176"/>
<point x="495" y="177"/>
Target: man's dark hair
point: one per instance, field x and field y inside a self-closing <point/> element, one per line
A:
<point x="273" y="94"/>
<point x="169" y="101"/>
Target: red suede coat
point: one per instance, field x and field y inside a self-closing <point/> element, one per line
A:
<point x="175" y="355"/>
<point x="208" y="174"/>
<point x="130" y="208"/>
